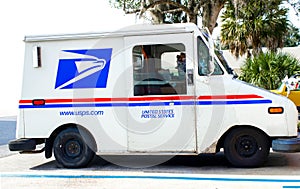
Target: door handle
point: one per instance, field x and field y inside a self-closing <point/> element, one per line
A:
<point x="190" y="76"/>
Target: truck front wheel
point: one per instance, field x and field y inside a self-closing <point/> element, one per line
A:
<point x="246" y="147"/>
<point x="71" y="150"/>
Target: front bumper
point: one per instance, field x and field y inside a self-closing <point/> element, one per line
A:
<point x="287" y="145"/>
<point x="22" y="145"/>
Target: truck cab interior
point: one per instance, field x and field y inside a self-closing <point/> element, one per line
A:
<point x="159" y="69"/>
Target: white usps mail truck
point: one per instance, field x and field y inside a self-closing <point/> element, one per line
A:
<point x="144" y="90"/>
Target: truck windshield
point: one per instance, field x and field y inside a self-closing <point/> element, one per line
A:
<point x="203" y="60"/>
<point x="219" y="56"/>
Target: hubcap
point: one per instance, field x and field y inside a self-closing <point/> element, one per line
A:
<point x="246" y="146"/>
<point x="73" y="148"/>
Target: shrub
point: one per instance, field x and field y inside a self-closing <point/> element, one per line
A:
<point x="268" y="69"/>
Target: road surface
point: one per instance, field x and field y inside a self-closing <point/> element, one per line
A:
<point x="204" y="171"/>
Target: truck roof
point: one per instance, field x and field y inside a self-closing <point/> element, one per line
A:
<point x="139" y="29"/>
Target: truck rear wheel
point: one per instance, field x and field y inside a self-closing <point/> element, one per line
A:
<point x="71" y="150"/>
<point x="246" y="147"/>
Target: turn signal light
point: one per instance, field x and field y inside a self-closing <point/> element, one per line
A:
<point x="275" y="110"/>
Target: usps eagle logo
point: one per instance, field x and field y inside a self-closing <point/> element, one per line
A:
<point x="87" y="68"/>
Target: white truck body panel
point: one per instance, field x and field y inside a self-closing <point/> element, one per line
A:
<point x="124" y="123"/>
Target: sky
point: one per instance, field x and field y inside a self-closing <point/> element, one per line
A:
<point x="19" y="18"/>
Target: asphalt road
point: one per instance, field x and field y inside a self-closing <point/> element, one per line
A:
<point x="204" y="171"/>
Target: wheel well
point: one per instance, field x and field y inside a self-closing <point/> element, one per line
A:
<point x="222" y="139"/>
<point x="49" y="141"/>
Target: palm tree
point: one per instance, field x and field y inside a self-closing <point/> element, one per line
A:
<point x="233" y="33"/>
<point x="253" y="24"/>
<point x="292" y="39"/>
<point x="277" y="24"/>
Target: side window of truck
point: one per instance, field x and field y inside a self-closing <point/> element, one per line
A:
<point x="159" y="69"/>
<point x="203" y="59"/>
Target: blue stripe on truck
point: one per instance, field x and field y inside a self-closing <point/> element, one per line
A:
<point x="152" y="103"/>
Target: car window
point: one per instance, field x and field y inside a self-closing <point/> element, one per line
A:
<point x="159" y="69"/>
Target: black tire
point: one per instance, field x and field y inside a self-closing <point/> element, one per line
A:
<point x="246" y="147"/>
<point x="72" y="150"/>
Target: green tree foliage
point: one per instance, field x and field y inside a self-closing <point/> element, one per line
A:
<point x="292" y="39"/>
<point x="268" y="69"/>
<point x="253" y="24"/>
<point x="295" y="4"/>
<point x="174" y="11"/>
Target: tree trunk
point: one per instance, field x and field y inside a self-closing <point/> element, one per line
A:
<point x="157" y="17"/>
<point x="256" y="44"/>
<point x="192" y="18"/>
<point x="211" y="12"/>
